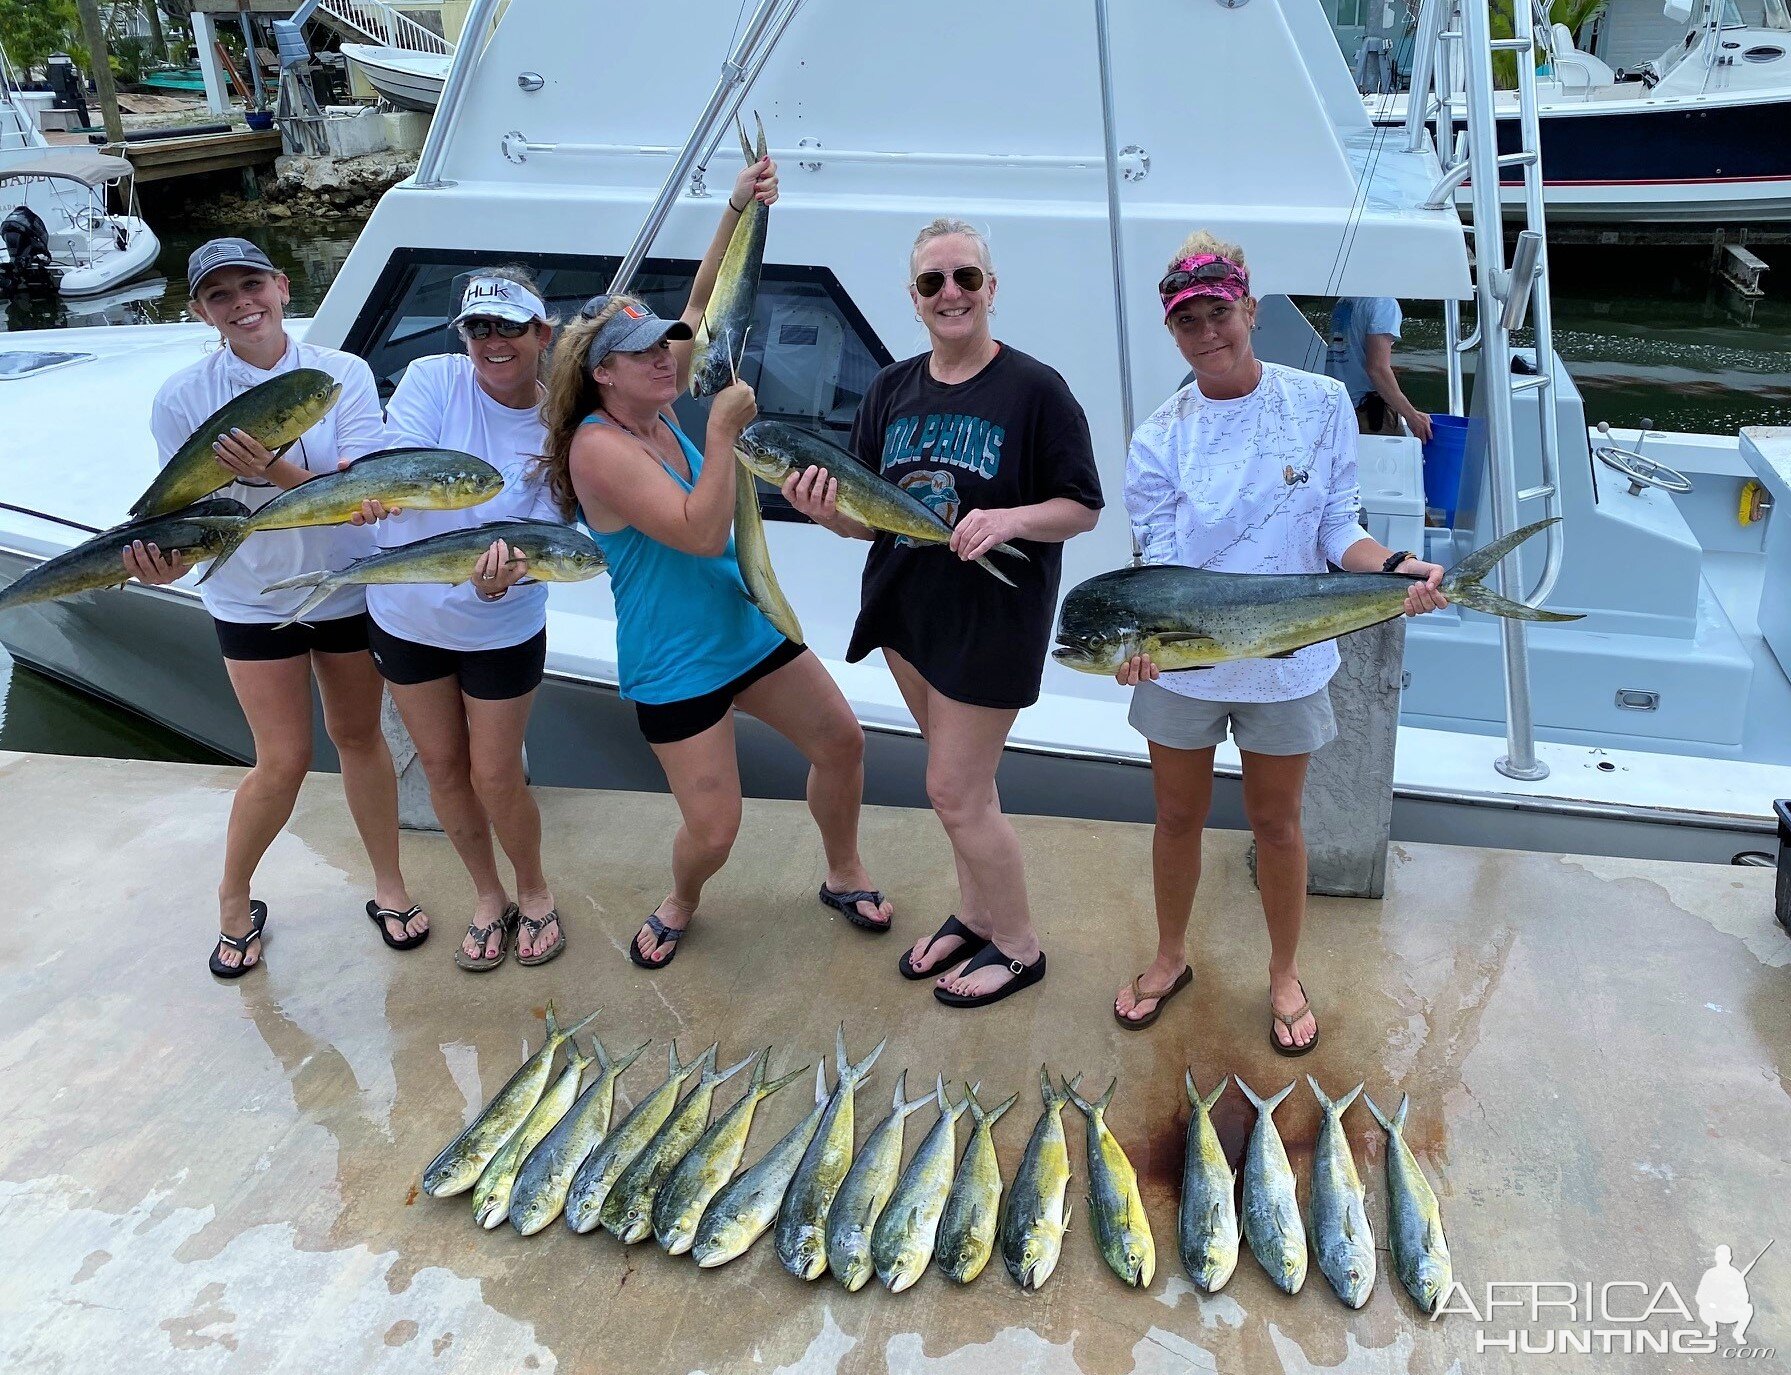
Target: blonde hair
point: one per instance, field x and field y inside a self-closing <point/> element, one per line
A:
<point x="572" y="396"/>
<point x="945" y="228"/>
<point x="1205" y="241"/>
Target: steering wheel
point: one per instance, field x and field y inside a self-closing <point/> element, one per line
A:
<point x="1641" y="472"/>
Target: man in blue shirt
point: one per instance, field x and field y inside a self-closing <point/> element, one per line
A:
<point x="1363" y="329"/>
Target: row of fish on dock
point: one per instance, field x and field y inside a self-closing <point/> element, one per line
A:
<point x="546" y="1147"/>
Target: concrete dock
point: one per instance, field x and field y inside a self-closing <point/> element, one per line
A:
<point x="198" y="1176"/>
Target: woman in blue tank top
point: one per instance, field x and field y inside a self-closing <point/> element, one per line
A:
<point x="690" y="644"/>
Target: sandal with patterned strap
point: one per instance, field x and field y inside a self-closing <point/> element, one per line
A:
<point x="846" y="904"/>
<point x="256" y="932"/>
<point x="379" y="916"/>
<point x="535" y="926"/>
<point x="1290" y="1020"/>
<point x="663" y="936"/>
<point x="505" y="926"/>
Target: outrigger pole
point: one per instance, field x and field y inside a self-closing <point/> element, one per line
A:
<point x="1116" y="245"/>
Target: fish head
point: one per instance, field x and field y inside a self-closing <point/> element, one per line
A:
<point x="527" y="1217"/>
<point x="1093" y="636"/>
<point x="808" y="1257"/>
<point x="907" y="1266"/>
<point x="1432" y="1279"/>
<point x="472" y="487"/>
<point x="1038" y="1258"/>
<point x="1137" y="1265"/>
<point x="856" y="1271"/>
<point x="1355" y="1279"/>
<point x="726" y="1236"/>
<point x="636" y="1223"/>
<point x="768" y="460"/>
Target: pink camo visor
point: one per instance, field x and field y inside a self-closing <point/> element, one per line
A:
<point x="1204" y="274"/>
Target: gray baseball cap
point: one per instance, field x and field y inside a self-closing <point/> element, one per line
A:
<point x="632" y="329"/>
<point x="216" y="253"/>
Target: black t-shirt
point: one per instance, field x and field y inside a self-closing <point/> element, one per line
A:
<point x="1013" y="435"/>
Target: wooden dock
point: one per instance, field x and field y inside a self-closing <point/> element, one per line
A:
<point x="167" y="158"/>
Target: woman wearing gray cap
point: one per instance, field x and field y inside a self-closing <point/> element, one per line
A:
<point x="464" y="661"/>
<point x="238" y="292"/>
<point x="690" y="644"/>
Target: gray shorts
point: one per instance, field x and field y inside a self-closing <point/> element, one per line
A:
<point x="1191" y="723"/>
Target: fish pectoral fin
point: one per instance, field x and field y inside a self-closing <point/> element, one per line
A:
<point x="1284" y="654"/>
<point x="1181" y="637"/>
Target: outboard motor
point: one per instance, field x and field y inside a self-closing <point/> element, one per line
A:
<point x="28" y="267"/>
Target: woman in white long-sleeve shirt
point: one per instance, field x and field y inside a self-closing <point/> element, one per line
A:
<point x="1250" y="468"/>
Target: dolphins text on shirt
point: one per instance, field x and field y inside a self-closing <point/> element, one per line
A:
<point x="964" y="441"/>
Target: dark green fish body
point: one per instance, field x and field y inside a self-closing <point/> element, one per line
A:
<point x="1272" y="1223"/>
<point x="752" y="552"/>
<point x="1414" y="1221"/>
<point x="902" y="1242"/>
<point x="802" y="1221"/>
<point x="276" y="412"/>
<point x="1192" y="618"/>
<point x="772" y="450"/>
<point x="556" y="553"/>
<point x="403" y="479"/>
<point x="601" y="1170"/>
<point x="546" y="1175"/>
<point x="1208" y="1220"/>
<point x="748" y="1204"/>
<point x="856" y="1207"/>
<point x="198" y="532"/>
<point x="721" y="338"/>
<point x="972" y="1213"/>
<point x="1036" y="1216"/>
<point x="1341" y="1240"/>
<point x="1122" y="1229"/>
<point x="492" y="1194"/>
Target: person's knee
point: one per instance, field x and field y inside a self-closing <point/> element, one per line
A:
<point x="841" y="746"/>
<point x="959" y="801"/>
<point x="498" y="778"/>
<point x="714" y="831"/>
<point x="357" y="739"/>
<point x="1277" y="830"/>
<point x="1181" y="818"/>
<point x="283" y="765"/>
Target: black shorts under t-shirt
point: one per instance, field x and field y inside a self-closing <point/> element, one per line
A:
<point x="491" y="675"/>
<point x="1013" y="435"/>
<point x="258" y="641"/>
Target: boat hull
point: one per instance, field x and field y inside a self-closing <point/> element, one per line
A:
<point x="409" y="80"/>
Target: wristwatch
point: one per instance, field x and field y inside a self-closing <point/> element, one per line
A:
<point x="1397" y="557"/>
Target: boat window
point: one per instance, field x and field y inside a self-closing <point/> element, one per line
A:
<point x="17" y="363"/>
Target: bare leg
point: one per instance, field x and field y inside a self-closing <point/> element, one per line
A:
<point x="436" y="720"/>
<point x="351" y="689"/>
<point x="276" y="700"/>
<point x="1273" y="784"/>
<point x="704" y="776"/>
<point x="802" y="703"/>
<point x="494" y="741"/>
<point x="1183" y="783"/>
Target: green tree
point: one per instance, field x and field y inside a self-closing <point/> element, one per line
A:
<point x="30" y="30"/>
<point x="1575" y="14"/>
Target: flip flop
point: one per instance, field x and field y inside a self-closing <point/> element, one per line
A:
<point x="663" y="936"/>
<point x="1025" y="976"/>
<point x="1182" y="980"/>
<point x="973" y="946"/>
<point x="553" y="951"/>
<point x="241" y="944"/>
<point x="505" y="925"/>
<point x="380" y="915"/>
<point x="1291" y="1020"/>
<point x="846" y="904"/>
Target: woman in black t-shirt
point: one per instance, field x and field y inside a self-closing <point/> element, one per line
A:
<point x="992" y="441"/>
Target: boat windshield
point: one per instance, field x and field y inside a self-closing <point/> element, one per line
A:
<point x="1777" y="16"/>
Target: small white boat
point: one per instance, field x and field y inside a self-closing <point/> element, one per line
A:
<point x="406" y="78"/>
<point x="90" y="249"/>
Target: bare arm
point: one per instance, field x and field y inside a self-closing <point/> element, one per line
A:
<point x="1377" y="362"/>
<point x="815" y="493"/>
<point x="1050" y="522"/>
<point x="755" y="182"/>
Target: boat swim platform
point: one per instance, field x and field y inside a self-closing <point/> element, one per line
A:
<point x="203" y="1176"/>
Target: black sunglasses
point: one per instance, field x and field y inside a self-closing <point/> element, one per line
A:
<point x="1183" y="278"/>
<point x="507" y="329"/>
<point x="930" y="284"/>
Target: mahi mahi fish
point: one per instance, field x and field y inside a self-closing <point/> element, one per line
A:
<point x="679" y="1204"/>
<point x="868" y="1185"/>
<point x="1414" y="1222"/>
<point x="1121" y="1228"/>
<point x="1272" y="1223"/>
<point x="802" y="1221"/>
<point x="595" y="1179"/>
<point x="628" y="1211"/>
<point x="721" y="339"/>
<point x="1192" y="618"/>
<point x="1341" y="1240"/>
<point x="276" y="412"/>
<point x="902" y="1241"/>
<point x="198" y="532"/>
<point x="774" y="450"/>
<point x="399" y="479"/>
<point x="491" y="1195"/>
<point x="739" y="1214"/>
<point x="556" y="553"/>
<point x="752" y="552"/>
<point x="541" y="1185"/>
<point x="464" y="1158"/>
<point x="973" y="1208"/>
<point x="1036" y="1216"/>
<point x="1208" y="1221"/>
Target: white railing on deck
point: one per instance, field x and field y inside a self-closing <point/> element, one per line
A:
<point x="383" y="24"/>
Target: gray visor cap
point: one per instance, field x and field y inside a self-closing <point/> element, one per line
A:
<point x="632" y="330"/>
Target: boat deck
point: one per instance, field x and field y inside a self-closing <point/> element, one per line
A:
<point x="200" y="1176"/>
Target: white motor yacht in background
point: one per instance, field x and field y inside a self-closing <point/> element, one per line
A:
<point x="1655" y="725"/>
<point x="406" y="78"/>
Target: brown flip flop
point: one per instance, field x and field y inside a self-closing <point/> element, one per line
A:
<point x="505" y="924"/>
<point x="1291" y="1020"/>
<point x="1182" y="980"/>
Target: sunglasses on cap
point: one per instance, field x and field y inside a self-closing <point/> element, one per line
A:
<point x="968" y="278"/>
<point x="1214" y="270"/>
<point x="481" y="328"/>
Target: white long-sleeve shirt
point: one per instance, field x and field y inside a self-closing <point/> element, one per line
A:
<point x="1265" y="483"/>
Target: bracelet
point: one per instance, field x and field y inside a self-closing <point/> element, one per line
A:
<point x="1397" y="557"/>
<point x="737" y="209"/>
<point x="500" y="596"/>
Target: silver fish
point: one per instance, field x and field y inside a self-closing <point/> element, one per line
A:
<point x="802" y="1221"/>
<point x="738" y="1215"/>
<point x="1272" y="1223"/>
<point x="603" y="1167"/>
<point x="1208" y="1221"/>
<point x="541" y="1185"/>
<point x="868" y="1185"/>
<point x="1340" y="1236"/>
<point x="966" y="1237"/>
<point x="1414" y="1221"/>
<point x="491" y="1195"/>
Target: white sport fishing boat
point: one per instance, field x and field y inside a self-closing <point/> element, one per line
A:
<point x="1655" y="725"/>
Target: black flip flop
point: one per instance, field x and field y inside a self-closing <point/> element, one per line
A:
<point x="846" y="904"/>
<point x="240" y="944"/>
<point x="663" y="936"/>
<point x="973" y="946"/>
<point x="1025" y="976"/>
<point x="380" y="915"/>
<point x="1182" y="980"/>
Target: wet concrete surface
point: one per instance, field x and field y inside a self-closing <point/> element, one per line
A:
<point x="199" y="1176"/>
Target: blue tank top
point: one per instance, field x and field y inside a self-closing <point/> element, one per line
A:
<point x="684" y="624"/>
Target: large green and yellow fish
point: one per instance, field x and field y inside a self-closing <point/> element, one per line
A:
<point x="738" y="1215"/>
<point x="869" y="1183"/>
<point x="1121" y="1228"/>
<point x="1414" y="1221"/>
<point x="197" y="532"/>
<point x="591" y="1186"/>
<point x="541" y="1184"/>
<point x="1341" y="1239"/>
<point x="1036" y="1216"/>
<point x="972" y="1213"/>
<point x="902" y="1242"/>
<point x="752" y="552"/>
<point x="1272" y="1223"/>
<point x="802" y="1221"/>
<point x="1208" y="1219"/>
<point x="491" y="1195"/>
<point x="721" y="338"/>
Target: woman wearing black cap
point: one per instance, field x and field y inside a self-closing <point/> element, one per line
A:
<point x="238" y="291"/>
<point x="690" y="645"/>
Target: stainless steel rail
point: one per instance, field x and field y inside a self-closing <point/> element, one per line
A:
<point x="1115" y="238"/>
<point x="467" y="55"/>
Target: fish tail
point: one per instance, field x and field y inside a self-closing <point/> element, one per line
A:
<point x="958" y="1109"/>
<point x="745" y="143"/>
<point x="1250" y="1093"/>
<point x="321" y="583"/>
<point x="903" y="1105"/>
<point x="842" y="1063"/>
<point x="1324" y="1104"/>
<point x="756" y="1080"/>
<point x="939" y="1094"/>
<point x="862" y="1070"/>
<point x="766" y="1090"/>
<point x="715" y="1077"/>
<point x="763" y="149"/>
<point x="705" y="1062"/>
<point x="1012" y="552"/>
<point x="581" y="1024"/>
<point x="553" y="1027"/>
<point x="1381" y="1117"/>
<point x="1213" y="1097"/>
<point x="994" y="572"/>
<point x="1052" y="1098"/>
<point x="1100" y="1105"/>
<point x="987" y="1120"/>
<point x="671" y="1060"/>
<point x="1405" y="1102"/>
<point x="1348" y="1098"/>
<point x="604" y="1063"/>
<point x="1463" y="583"/>
<point x="628" y="1059"/>
<point x="820" y="1081"/>
<point x="576" y="1057"/>
<point x="232" y="543"/>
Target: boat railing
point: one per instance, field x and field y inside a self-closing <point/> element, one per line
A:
<point x="381" y="22"/>
<point x="455" y="85"/>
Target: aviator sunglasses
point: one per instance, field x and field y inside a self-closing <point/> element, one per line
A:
<point x="1219" y="270"/>
<point x="930" y="284"/>
<point x="507" y="329"/>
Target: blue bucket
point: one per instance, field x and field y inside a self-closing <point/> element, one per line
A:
<point x="1443" y="457"/>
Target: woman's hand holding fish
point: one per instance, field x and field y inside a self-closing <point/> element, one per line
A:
<point x="147" y="564"/>
<point x="371" y="511"/>
<point x="732" y="411"/>
<point x="814" y="492"/>
<point x="250" y="460"/>
<point x="498" y="570"/>
<point x="980" y="531"/>
<point x="1138" y="669"/>
<point x="757" y="181"/>
<point x="1427" y="595"/>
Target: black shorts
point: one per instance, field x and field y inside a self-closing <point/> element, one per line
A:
<point x="258" y="640"/>
<point x="492" y="675"/>
<point x="666" y="723"/>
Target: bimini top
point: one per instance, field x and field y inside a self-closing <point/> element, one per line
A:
<point x="71" y="164"/>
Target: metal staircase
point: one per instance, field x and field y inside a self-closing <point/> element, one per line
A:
<point x="373" y="21"/>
